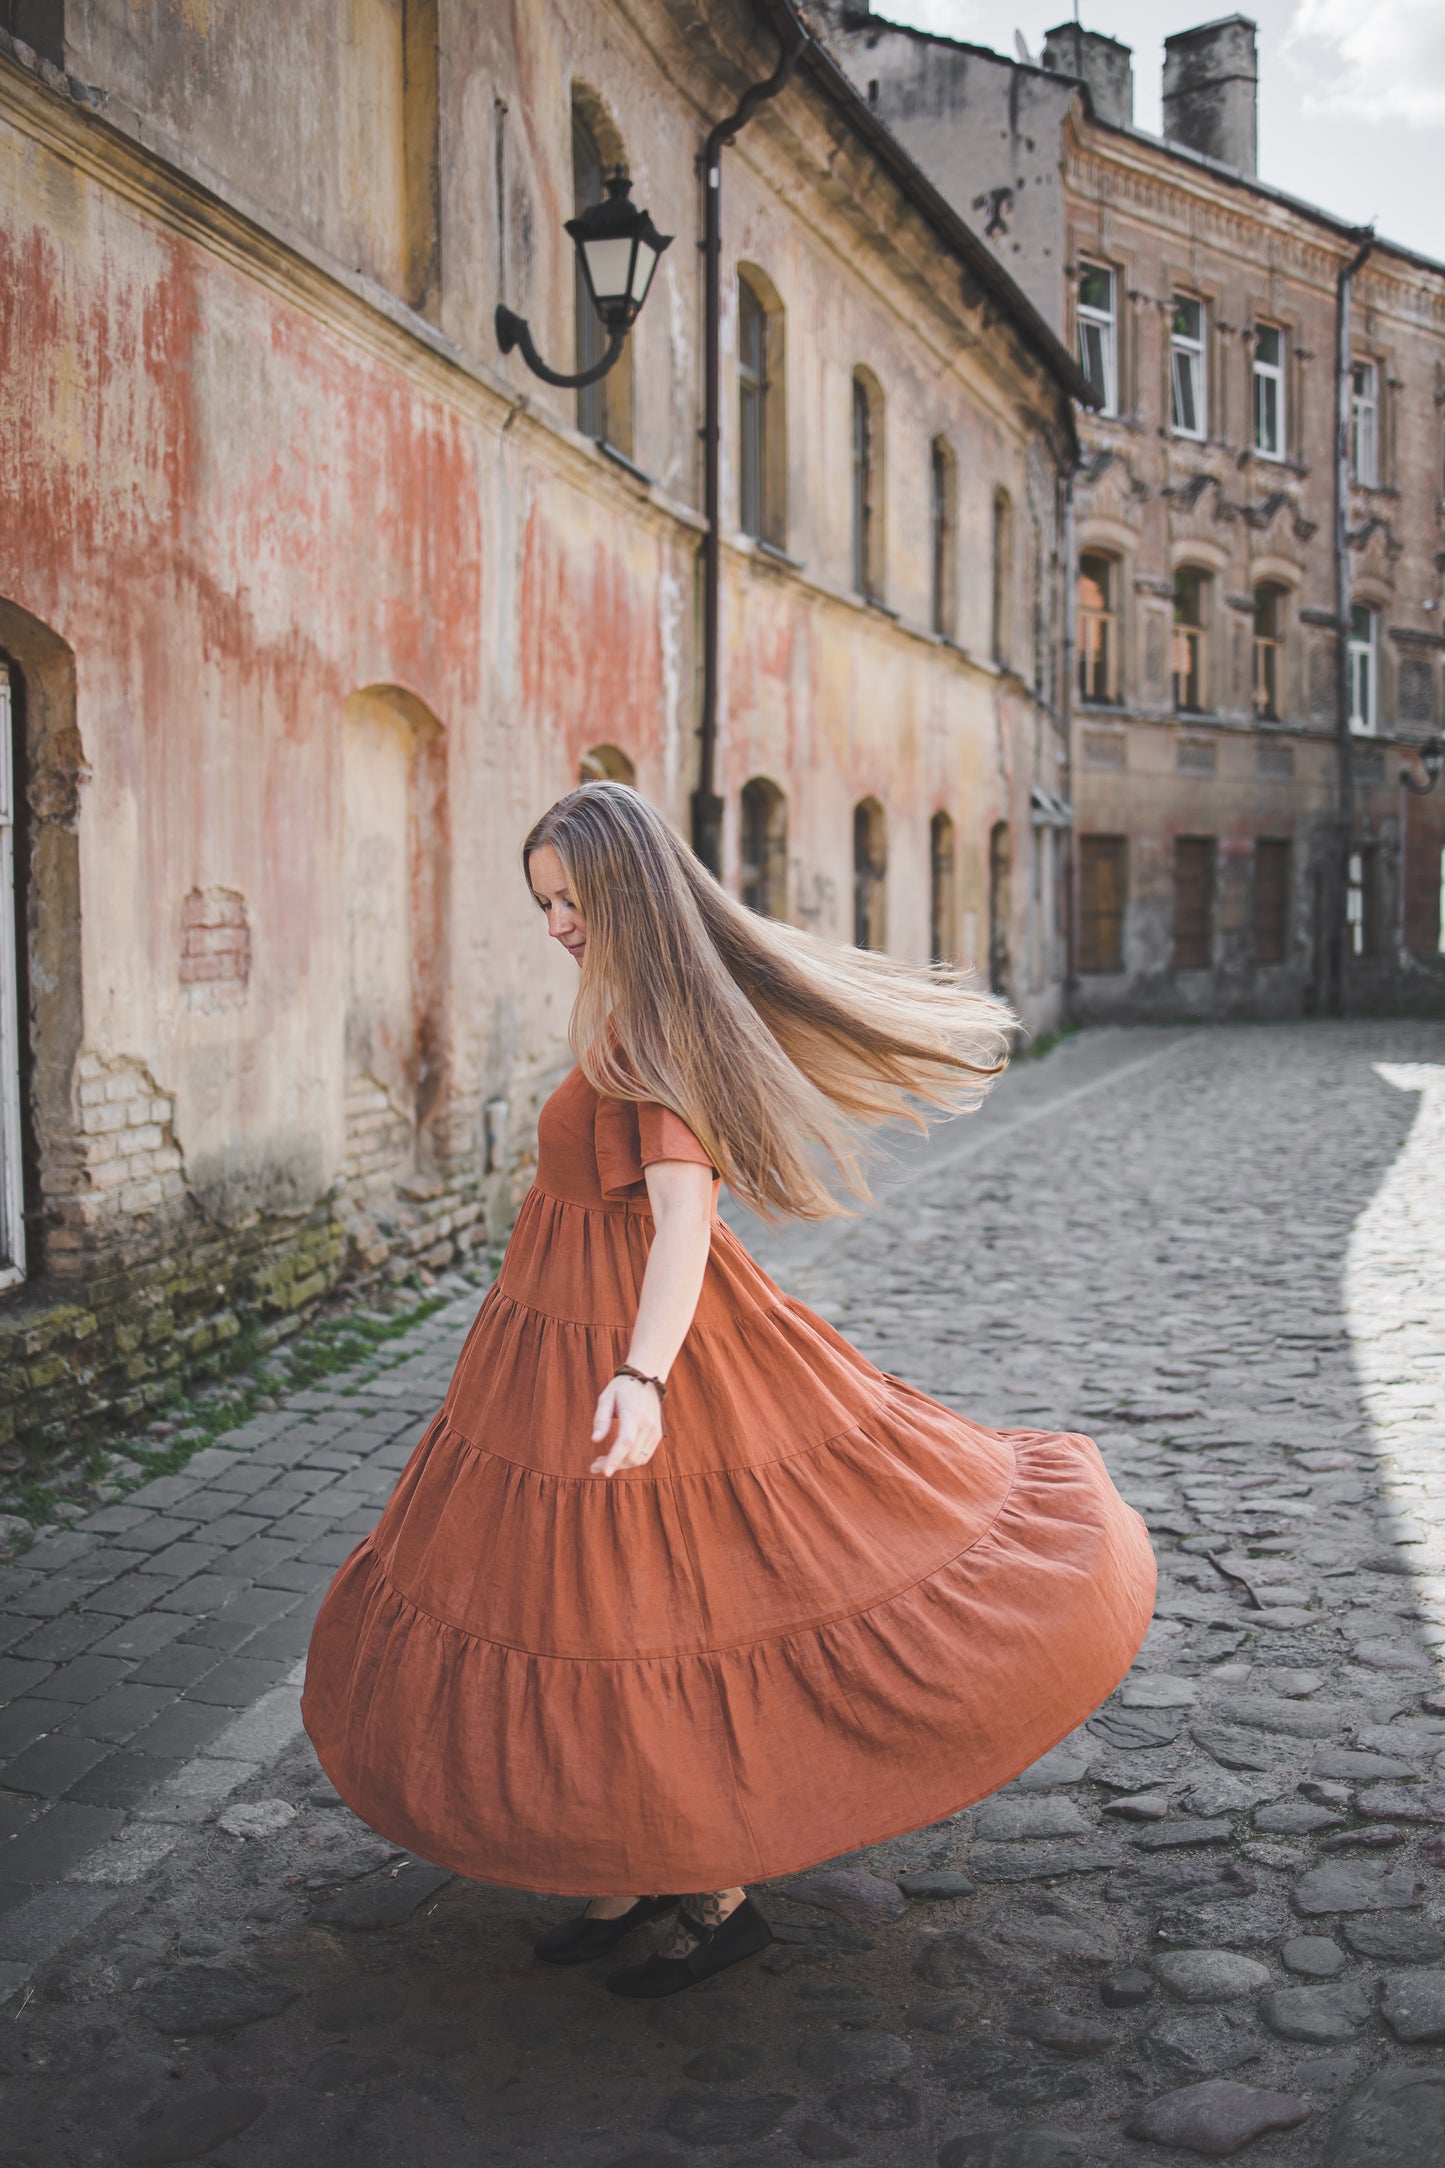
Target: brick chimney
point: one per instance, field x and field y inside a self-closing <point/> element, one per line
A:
<point x="1103" y="65"/>
<point x="1211" y="91"/>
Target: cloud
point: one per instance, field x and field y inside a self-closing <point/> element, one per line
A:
<point x="1384" y="62"/>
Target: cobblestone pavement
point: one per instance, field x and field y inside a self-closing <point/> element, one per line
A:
<point x="1213" y="1918"/>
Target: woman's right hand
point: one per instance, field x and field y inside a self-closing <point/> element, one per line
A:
<point x="636" y="1410"/>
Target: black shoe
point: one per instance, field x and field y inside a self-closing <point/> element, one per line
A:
<point x="742" y="1934"/>
<point x="574" y="1942"/>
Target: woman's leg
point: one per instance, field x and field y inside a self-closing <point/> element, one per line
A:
<point x="709" y="1908"/>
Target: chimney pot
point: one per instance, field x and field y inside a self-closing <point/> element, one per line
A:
<point x="1211" y="91"/>
<point x="1102" y="65"/>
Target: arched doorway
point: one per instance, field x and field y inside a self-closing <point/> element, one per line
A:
<point x="764" y="875"/>
<point x="870" y="875"/>
<point x="394" y="805"/>
<point x="606" y="764"/>
<point x="942" y="900"/>
<point x="1000" y="906"/>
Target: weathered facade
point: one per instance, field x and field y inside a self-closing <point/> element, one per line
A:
<point x="1230" y="725"/>
<point x="309" y="603"/>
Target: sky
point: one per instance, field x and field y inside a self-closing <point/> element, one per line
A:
<point x="1351" y="92"/>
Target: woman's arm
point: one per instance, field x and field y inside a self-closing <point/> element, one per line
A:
<point x="680" y="1193"/>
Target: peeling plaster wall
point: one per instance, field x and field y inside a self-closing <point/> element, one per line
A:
<point x="269" y="517"/>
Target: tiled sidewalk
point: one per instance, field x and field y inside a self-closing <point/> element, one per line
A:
<point x="153" y="1652"/>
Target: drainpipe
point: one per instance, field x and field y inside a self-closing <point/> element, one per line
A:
<point x="1066" y="709"/>
<point x="1336" y="964"/>
<point x="707" y="806"/>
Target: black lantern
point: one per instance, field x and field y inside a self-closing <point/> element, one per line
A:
<point x="1432" y="760"/>
<point x="618" y="248"/>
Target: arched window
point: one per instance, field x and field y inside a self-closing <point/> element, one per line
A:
<point x="604" y="409"/>
<point x="1098" y="628"/>
<point x="1190" y="641"/>
<point x="870" y="875"/>
<point x="1000" y="907"/>
<point x="762" y="447"/>
<point x="1001" y="639"/>
<point x="867" y="485"/>
<point x="943" y="507"/>
<point x="1269" y="601"/>
<point x="942" y="903"/>
<point x="764" y="884"/>
<point x="605" y="764"/>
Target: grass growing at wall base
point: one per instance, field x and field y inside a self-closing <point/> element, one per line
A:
<point x="259" y="1374"/>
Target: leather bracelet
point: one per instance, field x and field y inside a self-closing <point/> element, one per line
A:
<point x="626" y="1370"/>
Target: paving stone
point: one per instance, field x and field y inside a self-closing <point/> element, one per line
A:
<point x="1398" y="1938"/>
<point x="1402" y="1802"/>
<point x="1140" y="1806"/>
<point x="123" y="1779"/>
<point x="140" y="1637"/>
<point x="1351" y="1765"/>
<point x="945" y="1883"/>
<point x="1006" y="1820"/>
<point x="1318" y="2014"/>
<point x="181" y="1730"/>
<point x="1288" y="1719"/>
<point x="1126" y="1990"/>
<point x="237" y="1682"/>
<point x="1039" y="2085"/>
<point x="1393" y="2121"/>
<point x="735" y="2119"/>
<point x="386" y="1902"/>
<point x="47" y="1848"/>
<point x="1043" y="2145"/>
<point x="119" y="1715"/>
<point x="1216" y="2118"/>
<point x="1177" y="1835"/>
<point x="178" y="1666"/>
<point x="1063" y="2032"/>
<point x="52" y="1765"/>
<point x="1413" y="2006"/>
<point x="60" y="1639"/>
<point x="819" y="2141"/>
<point x="833" y="2058"/>
<point x="853" y="1893"/>
<point x="1210" y="1975"/>
<point x="21" y="1675"/>
<point x="196" y="1999"/>
<point x="184" y="2130"/>
<point x="1203" y="2043"/>
<point x="1157" y="1690"/>
<point x="1296" y="1818"/>
<point x="1134" y="1730"/>
<point x="1421" y="1736"/>
<point x="1225" y="1792"/>
<point x="1356" y="1886"/>
<point x="202" y="1592"/>
<point x="1313" y="1956"/>
<point x="1031" y="1861"/>
<point x="1234" y="1749"/>
<point x="28" y="1719"/>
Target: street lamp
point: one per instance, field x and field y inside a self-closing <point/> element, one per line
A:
<point x="1432" y="760"/>
<point x="618" y="248"/>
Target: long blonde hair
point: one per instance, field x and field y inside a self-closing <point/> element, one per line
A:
<point x="767" y="1042"/>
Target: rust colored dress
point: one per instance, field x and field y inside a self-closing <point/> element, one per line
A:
<point x="828" y="1611"/>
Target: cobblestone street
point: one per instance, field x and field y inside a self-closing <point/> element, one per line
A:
<point x="1212" y="1920"/>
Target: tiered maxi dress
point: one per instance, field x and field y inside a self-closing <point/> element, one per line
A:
<point x="828" y="1611"/>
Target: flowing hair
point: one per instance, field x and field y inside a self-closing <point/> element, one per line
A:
<point x="768" y="1043"/>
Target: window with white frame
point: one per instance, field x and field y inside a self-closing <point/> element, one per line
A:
<point x="12" y="1186"/>
<point x="1098" y="333"/>
<point x="1365" y="423"/>
<point x="1187" y="359"/>
<point x="1269" y="416"/>
<point x="1364" y="669"/>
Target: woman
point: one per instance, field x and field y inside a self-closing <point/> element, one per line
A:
<point x="809" y="1610"/>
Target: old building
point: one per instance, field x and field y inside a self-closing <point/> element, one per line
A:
<point x="310" y="601"/>
<point x="1258" y="647"/>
